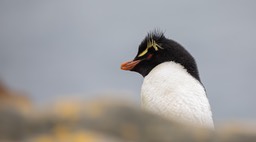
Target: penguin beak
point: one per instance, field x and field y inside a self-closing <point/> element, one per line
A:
<point x="129" y="65"/>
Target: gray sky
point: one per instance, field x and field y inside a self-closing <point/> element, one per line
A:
<point x="50" y="48"/>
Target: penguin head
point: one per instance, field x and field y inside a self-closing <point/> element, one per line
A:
<point x="156" y="49"/>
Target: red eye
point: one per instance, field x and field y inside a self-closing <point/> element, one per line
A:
<point x="149" y="56"/>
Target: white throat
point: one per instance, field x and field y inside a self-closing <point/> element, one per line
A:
<point x="170" y="91"/>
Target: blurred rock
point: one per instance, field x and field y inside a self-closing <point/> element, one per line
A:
<point x="12" y="124"/>
<point x="106" y="121"/>
<point x="14" y="99"/>
<point x="102" y="120"/>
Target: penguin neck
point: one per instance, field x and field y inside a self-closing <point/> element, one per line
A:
<point x="170" y="91"/>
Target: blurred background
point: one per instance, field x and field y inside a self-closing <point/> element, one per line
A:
<point x="52" y="49"/>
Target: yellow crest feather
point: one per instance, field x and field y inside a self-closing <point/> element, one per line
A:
<point x="150" y="43"/>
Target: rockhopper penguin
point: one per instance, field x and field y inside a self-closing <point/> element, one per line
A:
<point x="171" y="86"/>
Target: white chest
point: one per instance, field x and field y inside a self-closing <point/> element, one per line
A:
<point x="170" y="91"/>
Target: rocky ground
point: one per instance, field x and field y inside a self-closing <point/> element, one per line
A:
<point x="101" y="120"/>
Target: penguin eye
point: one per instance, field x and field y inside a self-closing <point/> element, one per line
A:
<point x="149" y="56"/>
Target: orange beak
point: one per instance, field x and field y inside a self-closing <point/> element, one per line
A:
<point x="129" y="65"/>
